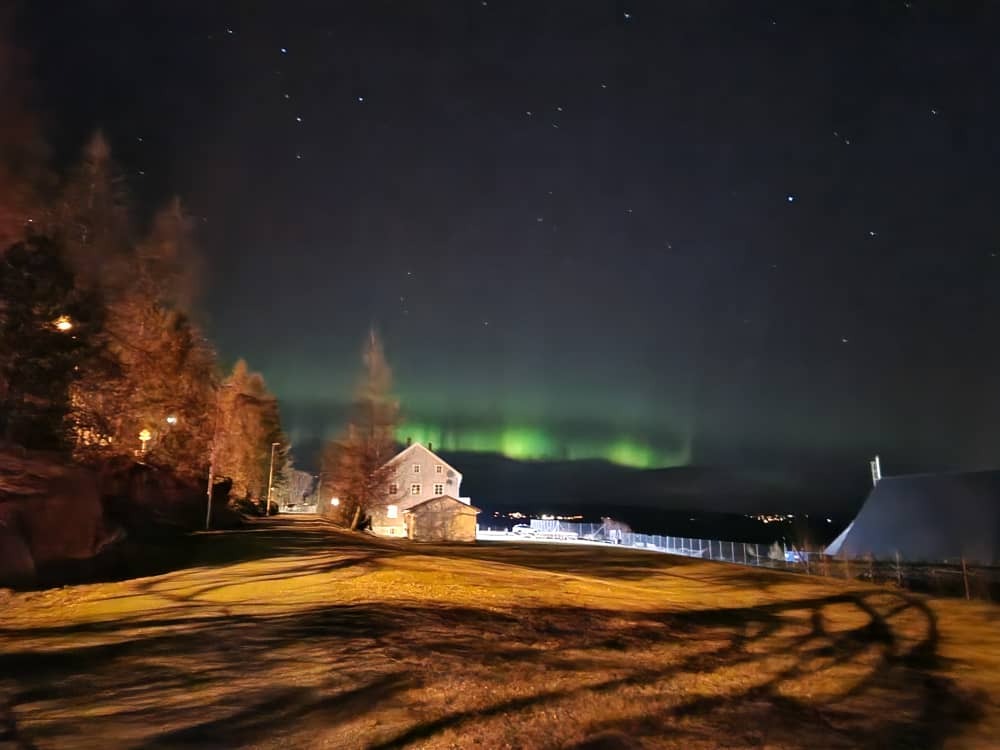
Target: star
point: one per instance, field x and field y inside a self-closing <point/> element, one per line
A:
<point x="298" y="156"/>
<point x="298" y="119"/>
<point x="284" y="50"/>
<point x="843" y="340"/>
<point x="486" y="323"/>
<point x="555" y="125"/>
<point x="934" y="112"/>
<point x="627" y="16"/>
<point x="288" y="96"/>
<point x="229" y="30"/>
<point x="872" y="234"/>
<point x="790" y="198"/>
<point x="604" y="85"/>
<point x="361" y="99"/>
<point x="539" y="219"/>
<point x="528" y="113"/>
<point x="628" y="211"/>
<point x="139" y="139"/>
<point x="559" y="109"/>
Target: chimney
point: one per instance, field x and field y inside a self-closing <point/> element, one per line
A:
<point x="430" y="446"/>
<point x="408" y="441"/>
<point x="876" y="467"/>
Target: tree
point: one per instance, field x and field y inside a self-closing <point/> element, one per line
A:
<point x="93" y="222"/>
<point x="47" y="332"/>
<point x="249" y="422"/>
<point x="23" y="152"/>
<point x="355" y="466"/>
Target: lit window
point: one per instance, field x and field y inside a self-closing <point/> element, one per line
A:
<point x="393" y="489"/>
<point x="392" y="511"/>
<point x="414" y="489"/>
<point x="438" y="469"/>
<point x="438" y="489"/>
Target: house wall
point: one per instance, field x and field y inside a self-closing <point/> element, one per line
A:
<point x="447" y="521"/>
<point x="427" y="477"/>
<point x="383" y="525"/>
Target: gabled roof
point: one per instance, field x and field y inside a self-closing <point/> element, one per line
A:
<point x="442" y="497"/>
<point x="413" y="446"/>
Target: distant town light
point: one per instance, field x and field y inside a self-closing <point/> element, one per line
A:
<point x="334" y="501"/>
<point x="171" y="419"/>
<point x="63" y="323"/>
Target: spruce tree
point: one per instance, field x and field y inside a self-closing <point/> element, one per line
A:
<point x="355" y="466"/>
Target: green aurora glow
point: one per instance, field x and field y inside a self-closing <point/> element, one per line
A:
<point x="528" y="443"/>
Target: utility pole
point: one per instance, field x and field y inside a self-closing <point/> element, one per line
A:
<point x="270" y="481"/>
<point x="211" y="456"/>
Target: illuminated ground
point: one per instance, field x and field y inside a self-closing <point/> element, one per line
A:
<point x="289" y="635"/>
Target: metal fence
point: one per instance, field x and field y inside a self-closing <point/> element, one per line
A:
<point x="947" y="578"/>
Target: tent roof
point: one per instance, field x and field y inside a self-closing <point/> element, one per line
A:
<point x="928" y="517"/>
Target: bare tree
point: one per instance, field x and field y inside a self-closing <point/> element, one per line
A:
<point x="356" y="466"/>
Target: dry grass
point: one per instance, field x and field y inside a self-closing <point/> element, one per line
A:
<point x="291" y="635"/>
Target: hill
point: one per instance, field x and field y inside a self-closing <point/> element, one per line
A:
<point x="287" y="634"/>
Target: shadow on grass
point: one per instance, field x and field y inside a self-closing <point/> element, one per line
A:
<point x="257" y="539"/>
<point x="385" y="675"/>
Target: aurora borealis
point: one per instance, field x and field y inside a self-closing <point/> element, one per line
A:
<point x="703" y="233"/>
<point x="524" y="442"/>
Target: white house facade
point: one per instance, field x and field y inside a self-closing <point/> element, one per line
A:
<point x="418" y="475"/>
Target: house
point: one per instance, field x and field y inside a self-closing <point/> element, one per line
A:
<point x="424" y="500"/>
<point x="928" y="517"/>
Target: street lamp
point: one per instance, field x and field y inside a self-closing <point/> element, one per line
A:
<point x="63" y="323"/>
<point x="270" y="481"/>
<point x="144" y="437"/>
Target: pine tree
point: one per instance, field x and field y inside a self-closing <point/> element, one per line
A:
<point x="249" y="423"/>
<point x="92" y="220"/>
<point x="23" y="153"/>
<point x="355" y="466"/>
<point x="47" y="332"/>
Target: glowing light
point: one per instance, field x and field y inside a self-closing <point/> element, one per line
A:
<point x="63" y="323"/>
<point x="530" y="443"/>
<point x="334" y="501"/>
<point x="171" y="419"/>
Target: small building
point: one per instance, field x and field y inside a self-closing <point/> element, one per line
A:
<point x="441" y="519"/>
<point x="424" y="501"/>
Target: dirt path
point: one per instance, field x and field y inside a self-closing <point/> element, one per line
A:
<point x="288" y="635"/>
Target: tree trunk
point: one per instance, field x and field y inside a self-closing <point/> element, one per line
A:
<point x="357" y="516"/>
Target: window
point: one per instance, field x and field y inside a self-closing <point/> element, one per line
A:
<point x="392" y="511"/>
<point x="438" y="469"/>
<point x="416" y="468"/>
<point x="414" y="489"/>
<point x="438" y="490"/>
<point x="393" y="489"/>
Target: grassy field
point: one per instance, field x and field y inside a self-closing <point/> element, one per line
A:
<point x="287" y="634"/>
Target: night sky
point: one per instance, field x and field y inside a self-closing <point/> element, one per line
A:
<point x="749" y="235"/>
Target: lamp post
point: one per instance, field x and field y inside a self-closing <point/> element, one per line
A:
<point x="270" y="481"/>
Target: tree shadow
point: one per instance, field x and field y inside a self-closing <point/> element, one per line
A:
<point x="852" y="669"/>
